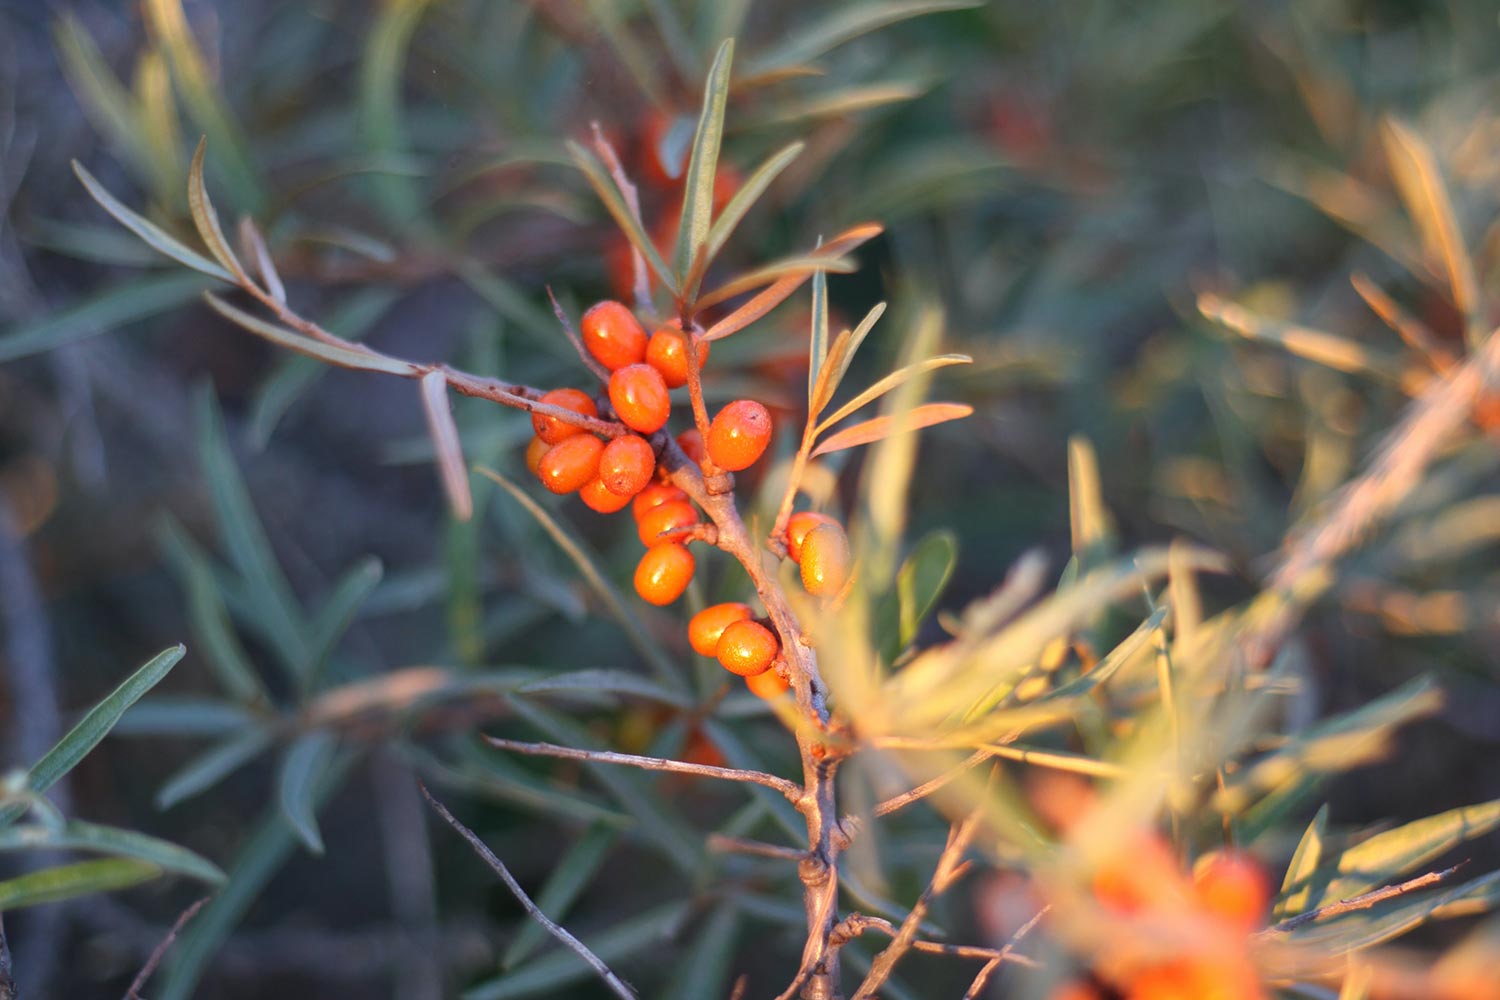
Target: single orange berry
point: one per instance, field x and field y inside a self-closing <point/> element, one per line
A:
<point x="664" y="573"/>
<point x="552" y="429"/>
<point x="667" y="352"/>
<point x="797" y="527"/>
<point x="747" y="648"/>
<point x="640" y="398"/>
<point x="597" y="496"/>
<point x="654" y="496"/>
<point x="691" y="443"/>
<point x="768" y="684"/>
<point x="1143" y="875"/>
<point x="706" y="626"/>
<point x="825" y="560"/>
<point x="570" y="464"/>
<point x="613" y="335"/>
<point x="739" y="434"/>
<point x="665" y="517"/>
<point x="534" y="452"/>
<point x="627" y="465"/>
<point x="1232" y="886"/>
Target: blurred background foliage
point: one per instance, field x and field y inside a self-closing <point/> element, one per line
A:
<point x="1141" y="220"/>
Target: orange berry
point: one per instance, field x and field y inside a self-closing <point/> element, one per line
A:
<point x="597" y="496"/>
<point x="1074" y="990"/>
<point x="825" y="560"/>
<point x="691" y="443"/>
<point x="553" y="430"/>
<point x="664" y="573"/>
<point x="534" y="452"/>
<point x="739" y="434"/>
<point x="627" y="465"/>
<point x="1143" y="875"/>
<point x="640" y="398"/>
<point x="667" y="352"/>
<point x="747" y="648"/>
<point x="570" y="464"/>
<point x="706" y="626"/>
<point x="654" y="496"/>
<point x="1232" y="886"/>
<point x="797" y="527"/>
<point x="1196" y="980"/>
<point x="665" y="517"/>
<point x="767" y="684"/>
<point x="613" y="335"/>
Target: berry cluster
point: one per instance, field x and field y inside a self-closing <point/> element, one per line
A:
<point x="626" y="471"/>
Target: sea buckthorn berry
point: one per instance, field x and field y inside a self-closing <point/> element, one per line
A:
<point x="665" y="517"/>
<point x="570" y="464"/>
<point x="1232" y="886"/>
<point x="654" y="496"/>
<point x="767" y="684"/>
<point x="627" y="465"/>
<point x="613" y="335"/>
<point x="597" y="496"/>
<point x="706" y="626"/>
<point x="691" y="443"/>
<point x="640" y="398"/>
<point x="667" y="352"/>
<point x="797" y="527"/>
<point x="553" y="430"/>
<point x="1143" y="875"/>
<point x="534" y="452"/>
<point x="739" y="434"/>
<point x="664" y="573"/>
<point x="825" y="560"/>
<point x="747" y="648"/>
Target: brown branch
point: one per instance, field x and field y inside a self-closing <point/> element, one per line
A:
<point x="724" y="844"/>
<point x="606" y="151"/>
<point x="157" y="953"/>
<point x="790" y="789"/>
<point x="582" y="950"/>
<point x="1006" y="954"/>
<point x="898" y="802"/>
<point x="1361" y="902"/>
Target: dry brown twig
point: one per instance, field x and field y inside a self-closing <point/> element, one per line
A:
<point x="158" y="953"/>
<point x="1361" y="902"/>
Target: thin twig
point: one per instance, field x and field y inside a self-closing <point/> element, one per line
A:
<point x="611" y="980"/>
<point x="790" y="789"/>
<point x="7" y="981"/>
<point x="160" y="951"/>
<point x="724" y="844"/>
<point x="589" y="361"/>
<point x="1006" y="954"/>
<point x="1363" y="901"/>
<point x="898" y="802"/>
<point x="642" y="283"/>
<point x="1412" y="330"/>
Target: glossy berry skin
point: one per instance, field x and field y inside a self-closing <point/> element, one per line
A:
<point x="570" y="464"/>
<point x="797" y="527"/>
<point x="654" y="496"/>
<point x="664" y="573"/>
<point x="705" y="628"/>
<point x="691" y="443"/>
<point x="1232" y="886"/>
<point x="640" y="398"/>
<point x="768" y="685"/>
<point x="534" y="452"/>
<point x="747" y="648"/>
<point x="667" y="352"/>
<point x="553" y="430"/>
<point x="613" y="335"/>
<point x="825" y="560"/>
<point x="627" y="465"/>
<point x="665" y="517"/>
<point x="596" y="496"/>
<point x="739" y="434"/>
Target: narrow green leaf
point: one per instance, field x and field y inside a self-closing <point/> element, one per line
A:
<point x="572" y="874"/>
<point x="817" y="348"/>
<point x="1387" y="856"/>
<point x="704" y="970"/>
<point x="1296" y="886"/>
<point x="302" y="769"/>
<point x="1090" y="524"/>
<point x="208" y="769"/>
<point x="338" y="610"/>
<point x="130" y="301"/>
<point x="1366" y="928"/>
<point x="78" y="836"/>
<point x="840" y="357"/>
<point x="845" y="23"/>
<point x="607" y="15"/>
<point x="103" y="98"/>
<point x="171" y="715"/>
<point x="82" y="878"/>
<point x="840" y="103"/>
<point x="361" y="360"/>
<point x="919" y="583"/>
<point x="748" y="194"/>
<point x="614" y="203"/>
<point x="890" y="382"/>
<point x="382" y="77"/>
<point x="156" y="237"/>
<point x="698" y="186"/>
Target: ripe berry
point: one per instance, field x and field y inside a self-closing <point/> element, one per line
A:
<point x="570" y="464"/>
<point x="1233" y="887"/>
<point x="705" y="628"/>
<point x="665" y="517"/>
<point x="553" y="430"/>
<point x="596" y="496"/>
<point x="627" y="464"/>
<point x="739" y="434"/>
<point x="613" y="335"/>
<point x="691" y="443"/>
<point x="664" y="573"/>
<point x="640" y="398"/>
<point x="767" y="684"/>
<point x="825" y="560"/>
<point x="534" y="452"/>
<point x="747" y="648"/>
<point x="667" y="352"/>
<point x="654" y="496"/>
<point x="797" y="527"/>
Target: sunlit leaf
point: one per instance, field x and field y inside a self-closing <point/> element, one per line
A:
<point x="880" y="428"/>
<point x="840" y="357"/>
<point x="890" y="382"/>
<point x="792" y="268"/>
<point x="1296" y="887"/>
<point x="1330" y="350"/>
<point x="817" y="348"/>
